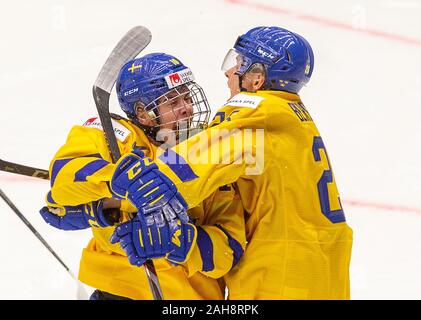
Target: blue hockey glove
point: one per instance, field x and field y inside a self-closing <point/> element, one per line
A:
<point x="138" y="179"/>
<point x="182" y="243"/>
<point x="141" y="242"/>
<point x="76" y="217"/>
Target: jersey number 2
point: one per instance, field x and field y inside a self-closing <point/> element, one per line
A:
<point x="334" y="216"/>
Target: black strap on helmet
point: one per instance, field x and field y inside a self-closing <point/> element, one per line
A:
<point x="150" y="131"/>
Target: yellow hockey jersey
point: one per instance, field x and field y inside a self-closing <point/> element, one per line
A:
<point x="80" y="172"/>
<point x="298" y="243"/>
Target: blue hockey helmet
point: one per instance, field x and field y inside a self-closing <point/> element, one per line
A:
<point x="145" y="79"/>
<point x="150" y="79"/>
<point x="287" y="57"/>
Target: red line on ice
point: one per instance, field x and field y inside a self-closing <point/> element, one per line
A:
<point x="327" y="22"/>
<point x="382" y="206"/>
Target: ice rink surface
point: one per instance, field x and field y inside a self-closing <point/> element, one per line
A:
<point x="364" y="98"/>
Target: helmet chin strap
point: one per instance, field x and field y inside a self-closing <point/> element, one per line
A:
<point x="150" y="131"/>
<point x="240" y="81"/>
<point x="241" y="78"/>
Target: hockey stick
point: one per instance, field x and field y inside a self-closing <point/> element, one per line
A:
<point x="129" y="47"/>
<point x="23" y="170"/>
<point x="81" y="293"/>
<point x="111" y="215"/>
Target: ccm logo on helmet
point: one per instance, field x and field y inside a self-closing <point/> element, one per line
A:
<point x="178" y="78"/>
<point x="127" y="93"/>
<point x="264" y="53"/>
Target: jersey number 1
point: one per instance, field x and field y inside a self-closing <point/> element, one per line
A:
<point x="334" y="216"/>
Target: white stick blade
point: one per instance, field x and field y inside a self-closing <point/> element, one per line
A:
<point x="135" y="40"/>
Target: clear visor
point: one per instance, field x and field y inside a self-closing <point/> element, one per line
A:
<point x="231" y="60"/>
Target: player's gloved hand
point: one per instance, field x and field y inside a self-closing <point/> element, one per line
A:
<point x="141" y="242"/>
<point x="77" y="217"/>
<point x="138" y="179"/>
<point x="183" y="240"/>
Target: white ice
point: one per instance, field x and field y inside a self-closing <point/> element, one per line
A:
<point x="364" y="97"/>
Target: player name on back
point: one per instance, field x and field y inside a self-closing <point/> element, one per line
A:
<point x="120" y="131"/>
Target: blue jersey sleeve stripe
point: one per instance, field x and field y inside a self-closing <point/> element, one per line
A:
<point x="89" y="169"/>
<point x="235" y="246"/>
<point x="57" y="166"/>
<point x="205" y="246"/>
<point x="50" y="198"/>
<point x="178" y="165"/>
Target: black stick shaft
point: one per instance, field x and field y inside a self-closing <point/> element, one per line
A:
<point x="34" y="231"/>
<point x="44" y="174"/>
<point x="128" y="47"/>
<point x="23" y="170"/>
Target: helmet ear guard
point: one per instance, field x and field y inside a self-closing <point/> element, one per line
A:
<point x="150" y="114"/>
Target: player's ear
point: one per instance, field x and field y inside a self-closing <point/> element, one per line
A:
<point x="256" y="77"/>
<point x="255" y="81"/>
<point x="259" y="81"/>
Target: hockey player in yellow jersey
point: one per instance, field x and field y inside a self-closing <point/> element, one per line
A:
<point x="188" y="259"/>
<point x="264" y="139"/>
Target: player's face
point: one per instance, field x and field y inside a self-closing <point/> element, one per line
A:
<point x="174" y="107"/>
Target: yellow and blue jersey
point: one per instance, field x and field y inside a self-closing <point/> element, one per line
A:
<point x="298" y="242"/>
<point x="80" y="172"/>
